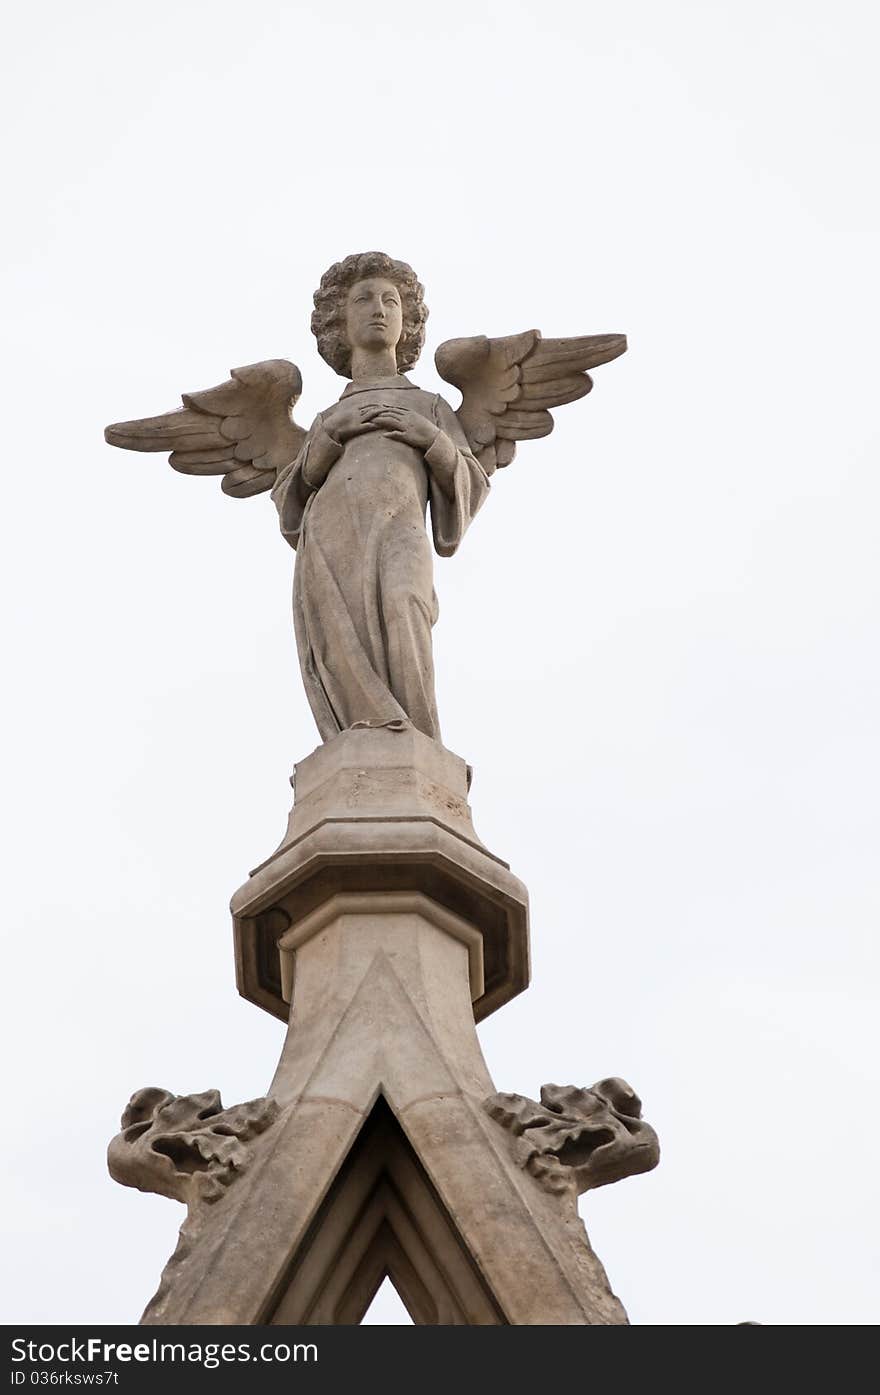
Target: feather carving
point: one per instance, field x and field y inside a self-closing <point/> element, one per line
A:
<point x="243" y="429"/>
<point x="509" y="385"/>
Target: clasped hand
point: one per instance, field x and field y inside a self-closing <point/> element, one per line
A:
<point x="399" y="423"/>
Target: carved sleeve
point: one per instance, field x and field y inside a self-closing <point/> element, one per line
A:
<point x="299" y="481"/>
<point x="320" y="453"/>
<point x="458" y="484"/>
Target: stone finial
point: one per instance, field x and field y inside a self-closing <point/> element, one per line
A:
<point x="577" y="1139"/>
<point x="187" y="1147"/>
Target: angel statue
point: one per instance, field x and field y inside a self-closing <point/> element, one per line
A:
<point x="352" y="492"/>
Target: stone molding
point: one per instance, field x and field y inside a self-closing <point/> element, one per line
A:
<point x="387" y="904"/>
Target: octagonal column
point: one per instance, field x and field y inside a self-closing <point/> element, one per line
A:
<point x="421" y="953"/>
<point x="381" y="813"/>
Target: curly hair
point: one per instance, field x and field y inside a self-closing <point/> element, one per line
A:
<point x="328" y="316"/>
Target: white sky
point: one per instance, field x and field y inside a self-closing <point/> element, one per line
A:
<point x="658" y="644"/>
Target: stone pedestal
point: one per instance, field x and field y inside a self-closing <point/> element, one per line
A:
<point x="381" y="811"/>
<point x="384" y="928"/>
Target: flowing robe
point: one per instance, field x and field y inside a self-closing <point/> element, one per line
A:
<point x="363" y="592"/>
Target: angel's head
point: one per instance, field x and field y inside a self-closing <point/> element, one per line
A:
<point x="369" y="301"/>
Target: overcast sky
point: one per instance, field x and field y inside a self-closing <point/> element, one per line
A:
<point x="657" y="645"/>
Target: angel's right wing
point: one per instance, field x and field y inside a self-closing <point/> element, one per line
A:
<point x="242" y="430"/>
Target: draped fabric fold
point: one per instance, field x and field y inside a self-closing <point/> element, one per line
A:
<point x="364" y="601"/>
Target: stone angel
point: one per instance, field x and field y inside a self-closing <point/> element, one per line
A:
<point x="353" y="491"/>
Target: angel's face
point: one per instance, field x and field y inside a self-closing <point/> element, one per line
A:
<point x="374" y="314"/>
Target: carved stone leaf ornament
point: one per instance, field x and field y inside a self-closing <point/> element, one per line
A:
<point x="577" y="1139"/>
<point x="187" y="1147"/>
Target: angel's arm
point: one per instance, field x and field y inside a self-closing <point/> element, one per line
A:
<point x="458" y="483"/>
<point x="450" y="451"/>
<point x="508" y="385"/>
<point x="242" y="430"/>
<point x="303" y="476"/>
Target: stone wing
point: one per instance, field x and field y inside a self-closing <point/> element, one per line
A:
<point x="509" y="385"/>
<point x="242" y="430"/>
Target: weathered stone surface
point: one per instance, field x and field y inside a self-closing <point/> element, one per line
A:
<point x="352" y="492"/>
<point x="187" y="1147"/>
<point x="577" y="1139"/>
<point x="382" y="1020"/>
<point x="384" y="1157"/>
<point x="383" y="1217"/>
<point x="381" y="813"/>
<point x="242" y="430"/>
<point x="382" y="924"/>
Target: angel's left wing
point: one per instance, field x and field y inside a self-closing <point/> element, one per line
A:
<point x="242" y="430"/>
<point x="509" y="385"/>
